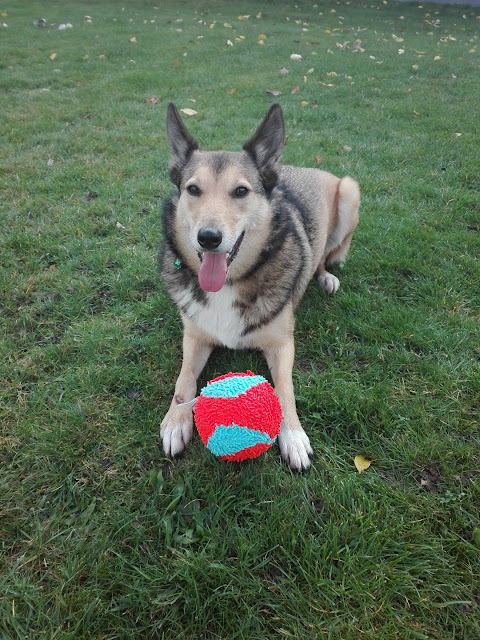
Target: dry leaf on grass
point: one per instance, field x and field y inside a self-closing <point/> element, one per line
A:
<point x="189" y="112"/>
<point x="361" y="463"/>
<point x="296" y="56"/>
<point x="273" y="92"/>
<point x="295" y="90"/>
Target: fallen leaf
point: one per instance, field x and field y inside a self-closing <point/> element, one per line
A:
<point x="262" y="36"/>
<point x="153" y="100"/>
<point x="284" y="71"/>
<point x="361" y="463"/>
<point x="303" y="103"/>
<point x="437" y="58"/>
<point x="189" y="112"/>
<point x="133" y="39"/>
<point x="119" y="225"/>
<point x="458" y="135"/>
<point x="396" y="38"/>
<point x="319" y="159"/>
<point x="296" y="56"/>
<point x="357" y="46"/>
<point x="347" y="148"/>
<point x="273" y="92"/>
<point x="231" y="92"/>
<point x="230" y="43"/>
<point x="414" y="67"/>
<point x="53" y="56"/>
<point x="332" y="74"/>
<point x="295" y="90"/>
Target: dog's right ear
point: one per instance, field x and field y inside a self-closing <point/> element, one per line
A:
<point x="181" y="144"/>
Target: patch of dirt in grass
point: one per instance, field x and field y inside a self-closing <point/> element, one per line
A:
<point x="430" y="478"/>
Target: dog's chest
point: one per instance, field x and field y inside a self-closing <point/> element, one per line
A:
<point x="219" y="317"/>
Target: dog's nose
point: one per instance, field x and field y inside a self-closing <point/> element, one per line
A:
<point x="209" y="239"/>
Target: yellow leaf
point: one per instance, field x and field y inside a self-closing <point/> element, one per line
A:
<point x="53" y="56"/>
<point x="189" y="112"/>
<point x="361" y="463"/>
<point x="133" y="39"/>
<point x="396" y="38"/>
<point x="262" y="36"/>
<point x="4" y="14"/>
<point x="303" y="103"/>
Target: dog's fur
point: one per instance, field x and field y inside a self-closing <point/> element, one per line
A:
<point x="280" y="225"/>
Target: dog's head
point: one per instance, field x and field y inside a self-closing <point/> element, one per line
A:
<point x="223" y="195"/>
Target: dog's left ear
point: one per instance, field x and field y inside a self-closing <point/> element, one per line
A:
<point x="266" y="146"/>
<point x="181" y="144"/>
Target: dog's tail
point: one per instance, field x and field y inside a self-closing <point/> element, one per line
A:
<point x="348" y="199"/>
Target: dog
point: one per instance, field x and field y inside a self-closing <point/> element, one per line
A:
<point x="242" y="237"/>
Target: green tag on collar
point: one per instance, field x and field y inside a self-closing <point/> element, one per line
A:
<point x="177" y="263"/>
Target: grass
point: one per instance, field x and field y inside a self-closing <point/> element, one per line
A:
<point x="100" y="535"/>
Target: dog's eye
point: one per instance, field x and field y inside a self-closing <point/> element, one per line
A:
<point x="240" y="192"/>
<point x="193" y="190"/>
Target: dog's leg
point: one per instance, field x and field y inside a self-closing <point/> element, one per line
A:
<point x="327" y="280"/>
<point x="294" y="443"/>
<point x="177" y="426"/>
<point x="338" y="243"/>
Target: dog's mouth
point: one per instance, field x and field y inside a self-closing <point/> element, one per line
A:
<point x="213" y="268"/>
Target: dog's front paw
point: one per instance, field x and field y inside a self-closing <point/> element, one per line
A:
<point x="176" y="430"/>
<point x="295" y="448"/>
<point x="329" y="282"/>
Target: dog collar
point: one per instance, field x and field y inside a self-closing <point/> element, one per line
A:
<point x="177" y="263"/>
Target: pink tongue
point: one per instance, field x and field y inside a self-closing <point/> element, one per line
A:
<point x="213" y="271"/>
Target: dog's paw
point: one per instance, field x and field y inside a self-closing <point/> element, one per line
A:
<point x="176" y="430"/>
<point x="329" y="282"/>
<point x="295" y="448"/>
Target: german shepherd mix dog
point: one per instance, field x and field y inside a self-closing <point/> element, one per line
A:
<point x="243" y="235"/>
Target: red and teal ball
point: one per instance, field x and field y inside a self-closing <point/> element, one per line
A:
<point x="238" y="416"/>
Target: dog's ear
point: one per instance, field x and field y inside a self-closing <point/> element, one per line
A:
<point x="181" y="144"/>
<point x="266" y="146"/>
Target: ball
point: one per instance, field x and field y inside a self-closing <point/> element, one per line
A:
<point x="238" y="416"/>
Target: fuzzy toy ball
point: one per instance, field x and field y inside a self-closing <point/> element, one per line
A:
<point x="238" y="416"/>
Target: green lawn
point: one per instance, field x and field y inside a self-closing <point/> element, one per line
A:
<point x="101" y="536"/>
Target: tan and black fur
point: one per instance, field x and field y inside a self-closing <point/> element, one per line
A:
<point x="276" y="226"/>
